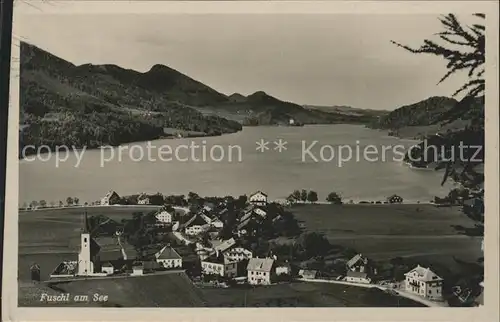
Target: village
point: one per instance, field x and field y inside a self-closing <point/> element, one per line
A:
<point x="231" y="243"/>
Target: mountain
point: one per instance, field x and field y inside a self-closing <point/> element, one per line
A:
<point x="261" y="108"/>
<point x="426" y="117"/>
<point x="347" y="110"/>
<point x="237" y="97"/>
<point x="94" y="105"/>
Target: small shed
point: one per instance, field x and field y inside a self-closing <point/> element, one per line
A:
<point x="137" y="269"/>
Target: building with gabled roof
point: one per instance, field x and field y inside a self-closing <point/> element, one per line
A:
<point x="167" y="257"/>
<point x="358" y="277"/>
<point x="224" y="245"/>
<point x="218" y="264"/>
<point x="425" y="283"/>
<point x="195" y="225"/>
<point x="260" y="271"/>
<point x="111" y="198"/>
<point x="258" y="198"/>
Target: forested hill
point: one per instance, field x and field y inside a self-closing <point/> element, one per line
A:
<point x="89" y="105"/>
<point x="429" y="113"/>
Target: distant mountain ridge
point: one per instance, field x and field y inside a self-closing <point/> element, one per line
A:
<point x="95" y="105"/>
<point x="426" y="117"/>
<point x="52" y="86"/>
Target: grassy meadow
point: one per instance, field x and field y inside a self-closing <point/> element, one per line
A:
<point x="383" y="232"/>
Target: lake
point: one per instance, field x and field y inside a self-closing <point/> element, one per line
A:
<point x="236" y="167"/>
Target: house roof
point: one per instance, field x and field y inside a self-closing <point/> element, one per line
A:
<point x="225" y="245"/>
<point x="168" y="252"/>
<point x="354" y="260"/>
<point x="424" y="274"/>
<point x="258" y="192"/>
<point x="195" y="220"/>
<point x="110" y="248"/>
<point x="110" y="193"/>
<point x="244" y="223"/>
<point x="357" y="274"/>
<point x="307" y="272"/>
<point x="260" y="264"/>
<point x="217" y="259"/>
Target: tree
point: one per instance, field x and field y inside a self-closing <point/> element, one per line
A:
<point x="463" y="50"/>
<point x="312" y="196"/>
<point x="43" y="203"/>
<point x="296" y="195"/>
<point x="76" y="200"/>
<point x="25" y="205"/>
<point x="303" y="195"/>
<point x="69" y="201"/>
<point x="291" y="199"/>
<point x="61" y="204"/>
<point x="52" y="204"/>
<point x="334" y="198"/>
<point x="34" y="204"/>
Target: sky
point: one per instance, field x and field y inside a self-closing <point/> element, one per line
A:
<point x="329" y="59"/>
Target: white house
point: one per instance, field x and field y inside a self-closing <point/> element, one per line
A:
<point x="357" y="277"/>
<point x="258" y="198"/>
<point x="195" y="226"/>
<point x="143" y="199"/>
<point x="164" y="217"/>
<point x="137" y="269"/>
<point x="260" y="271"/>
<point x="283" y="269"/>
<point x="308" y="273"/>
<point x="110" y="198"/>
<point x="424" y="282"/>
<point x="218" y="264"/>
<point x="358" y="263"/>
<point x="167" y="257"/>
<point x="238" y="254"/>
<point x="221" y="246"/>
<point x="214" y="222"/>
<point x="107" y="268"/>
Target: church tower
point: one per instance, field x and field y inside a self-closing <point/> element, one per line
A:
<point x="85" y="265"/>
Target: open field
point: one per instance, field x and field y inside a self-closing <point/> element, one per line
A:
<point x="302" y="294"/>
<point x="386" y="231"/>
<point x="168" y="290"/>
<point x="176" y="290"/>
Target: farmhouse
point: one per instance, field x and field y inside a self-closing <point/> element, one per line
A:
<point x="137" y="269"/>
<point x="111" y="198"/>
<point x="358" y="263"/>
<point x="143" y="199"/>
<point x="164" y="217"/>
<point x="424" y="282"/>
<point x="357" y="277"/>
<point x="258" y="198"/>
<point x="309" y="274"/>
<point x="222" y="246"/>
<point x="283" y="269"/>
<point x="195" y="226"/>
<point x="167" y="257"/>
<point x="238" y="254"/>
<point x="260" y="271"/>
<point x="252" y="217"/>
<point x="217" y="264"/>
<point x="214" y="222"/>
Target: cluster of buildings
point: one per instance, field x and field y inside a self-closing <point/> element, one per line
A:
<point x="106" y="256"/>
<point x="223" y="258"/>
